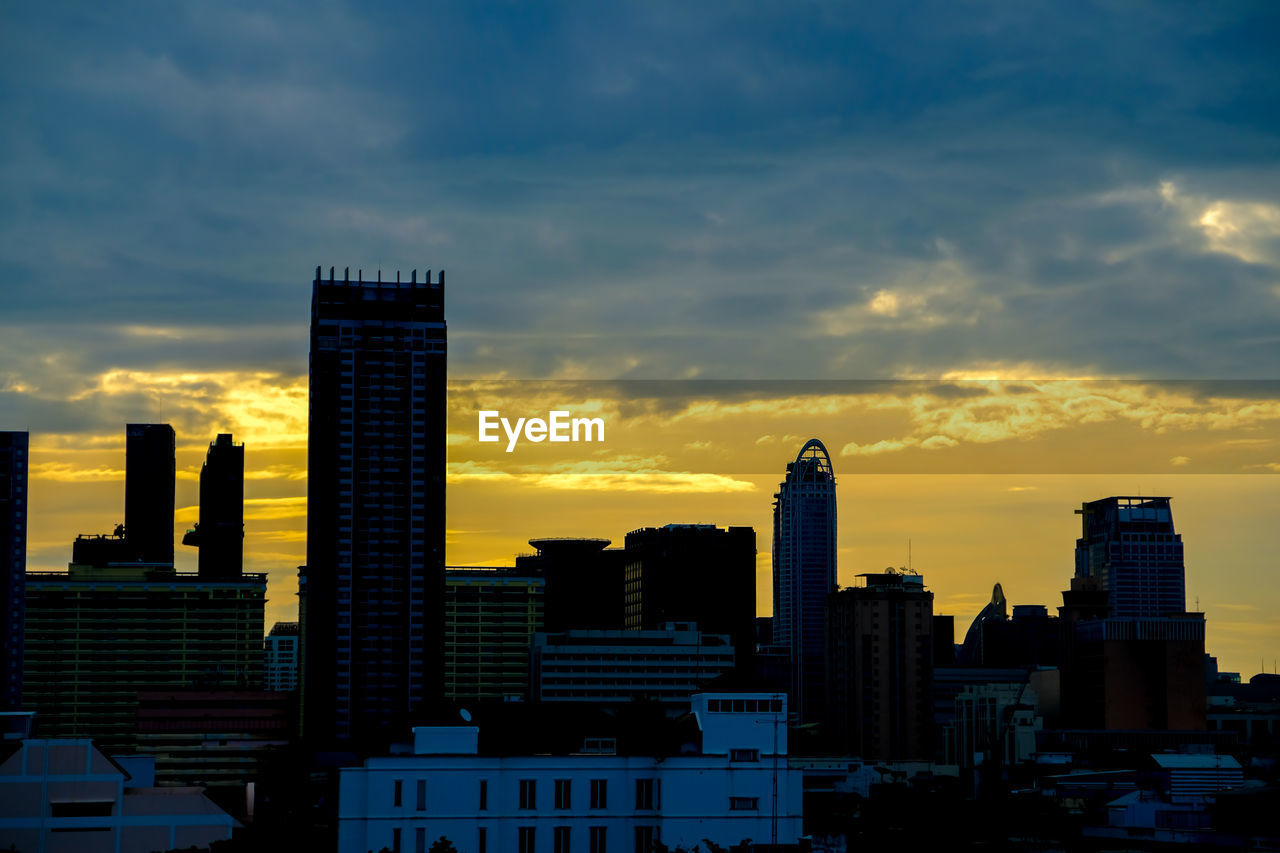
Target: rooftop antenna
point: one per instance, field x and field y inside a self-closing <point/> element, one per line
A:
<point x="909" y="553"/>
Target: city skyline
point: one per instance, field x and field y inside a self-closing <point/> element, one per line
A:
<point x="666" y="193"/>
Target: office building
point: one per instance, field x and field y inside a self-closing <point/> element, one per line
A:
<point x="666" y="665"/>
<point x="732" y="782"/>
<point x="97" y="635"/>
<point x="881" y="667"/>
<point x="374" y="630"/>
<point x="13" y="565"/>
<point x="490" y="618"/>
<point x="583" y="583"/>
<point x="219" y="534"/>
<point x="1137" y="674"/>
<point x="282" y="656"/>
<point x="1132" y="657"/>
<point x="696" y="573"/>
<point x="66" y="795"/>
<point x="1129" y="545"/>
<point x="150" y="470"/>
<point x="804" y="573"/>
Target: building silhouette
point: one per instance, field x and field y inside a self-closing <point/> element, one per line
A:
<point x="491" y="616"/>
<point x="373" y="634"/>
<point x="804" y="573"/>
<point x="696" y="573"/>
<point x="13" y="565"/>
<point x="880" y="664"/>
<point x="666" y="664"/>
<point x="1132" y="657"/>
<point x="115" y="623"/>
<point x="583" y="583"/>
<point x="219" y="534"/>
<point x="150" y="468"/>
<point x="1130" y="546"/>
<point x="281" y="648"/>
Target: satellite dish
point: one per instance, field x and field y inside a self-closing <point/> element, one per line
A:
<point x="465" y="715"/>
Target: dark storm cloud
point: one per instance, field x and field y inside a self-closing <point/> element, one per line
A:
<point x="658" y="190"/>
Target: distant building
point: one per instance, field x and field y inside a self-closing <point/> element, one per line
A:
<point x="804" y="573"/>
<point x="373" y="634"/>
<point x="282" y="655"/>
<point x="583" y="583"/>
<point x="696" y="573"/>
<point x="881" y="667"/>
<point x="13" y="565"/>
<point x="731" y="783"/>
<point x="1137" y="673"/>
<point x="614" y="667"/>
<point x="211" y="737"/>
<point x="1129" y="545"/>
<point x="490" y="616"/>
<point x="97" y="635"/>
<point x="150" y="471"/>
<point x="68" y="795"/>
<point x="219" y="534"/>
<point x="1029" y="638"/>
<point x="1132" y="656"/>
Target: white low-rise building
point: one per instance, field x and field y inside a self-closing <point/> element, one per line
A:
<point x="737" y="786"/>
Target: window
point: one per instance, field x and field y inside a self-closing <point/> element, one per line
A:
<point x="396" y="791"/>
<point x="599" y="793"/>
<point x="560" y="840"/>
<point x="597" y="840"/>
<point x="482" y="842"/>
<point x="744" y="755"/>
<point x="645" y="838"/>
<point x="420" y="840"/>
<point x="422" y="795"/>
<point x="484" y="795"/>
<point x="744" y="804"/>
<point x="395" y="830"/>
<point x="563" y="799"/>
<point x="528" y="794"/>
<point x="647" y="794"/>
<point x="525" y="839"/>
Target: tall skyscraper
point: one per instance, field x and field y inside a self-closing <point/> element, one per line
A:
<point x="1129" y="545"/>
<point x="804" y="573"/>
<point x="373" y="636"/>
<point x="150" y="468"/>
<point x="880" y="667"/>
<point x="13" y="565"/>
<point x="220" y="532"/>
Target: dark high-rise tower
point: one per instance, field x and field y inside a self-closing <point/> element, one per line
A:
<point x="373" y="633"/>
<point x="13" y="565"/>
<point x="220" y="532"/>
<point x="880" y="668"/>
<point x="804" y="573"/>
<point x="1129" y="545"/>
<point x="150" y="469"/>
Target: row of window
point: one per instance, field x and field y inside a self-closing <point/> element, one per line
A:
<point x="597" y="839"/>
<point x="747" y="706"/>
<point x="648" y="792"/>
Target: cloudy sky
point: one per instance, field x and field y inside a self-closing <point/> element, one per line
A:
<point x="784" y="192"/>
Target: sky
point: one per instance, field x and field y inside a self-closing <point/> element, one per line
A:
<point x="1001" y="258"/>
